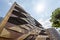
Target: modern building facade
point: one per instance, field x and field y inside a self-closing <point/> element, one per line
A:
<point x="19" y="25"/>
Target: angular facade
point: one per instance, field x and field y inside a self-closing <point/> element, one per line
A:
<point x="19" y="25"/>
<point x="53" y="34"/>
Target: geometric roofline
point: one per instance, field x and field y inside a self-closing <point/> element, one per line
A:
<point x="4" y="21"/>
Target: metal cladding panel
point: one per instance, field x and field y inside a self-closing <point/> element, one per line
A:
<point x="54" y="35"/>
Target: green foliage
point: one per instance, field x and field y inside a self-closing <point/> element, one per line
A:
<point x="55" y="18"/>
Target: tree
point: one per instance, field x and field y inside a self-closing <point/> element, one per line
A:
<point x="55" y="18"/>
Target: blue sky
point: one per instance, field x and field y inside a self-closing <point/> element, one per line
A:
<point x="41" y="10"/>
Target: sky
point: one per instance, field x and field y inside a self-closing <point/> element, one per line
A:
<point x="41" y="10"/>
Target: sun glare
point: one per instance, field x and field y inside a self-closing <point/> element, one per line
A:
<point x="39" y="8"/>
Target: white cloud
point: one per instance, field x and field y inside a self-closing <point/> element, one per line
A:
<point x="45" y="23"/>
<point x="10" y="3"/>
